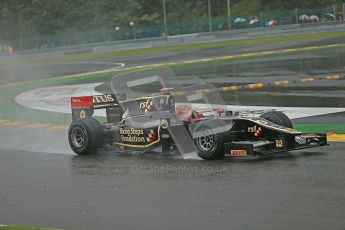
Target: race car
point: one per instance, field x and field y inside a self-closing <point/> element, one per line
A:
<point x="156" y="124"/>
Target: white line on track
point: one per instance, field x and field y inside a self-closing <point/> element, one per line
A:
<point x="116" y="64"/>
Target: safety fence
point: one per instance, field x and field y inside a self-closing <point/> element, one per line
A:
<point x="163" y="28"/>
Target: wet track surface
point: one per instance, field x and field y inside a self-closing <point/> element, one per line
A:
<point x="300" y="191"/>
<point x="43" y="183"/>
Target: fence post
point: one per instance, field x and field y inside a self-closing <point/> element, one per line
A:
<point x="209" y="16"/>
<point x="296" y="15"/>
<point x="165" y="19"/>
<point x="103" y="33"/>
<point x="344" y="11"/>
<point x="229" y="15"/>
<point x="20" y="42"/>
<point x="334" y="12"/>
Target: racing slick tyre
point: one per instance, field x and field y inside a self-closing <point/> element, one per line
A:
<point x="277" y="118"/>
<point x="85" y="136"/>
<point x="209" y="140"/>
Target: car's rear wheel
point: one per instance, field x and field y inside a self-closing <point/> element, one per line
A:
<point x="277" y="118"/>
<point x="209" y="140"/>
<point x="85" y="136"/>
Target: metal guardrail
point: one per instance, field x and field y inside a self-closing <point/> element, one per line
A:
<point x="237" y="34"/>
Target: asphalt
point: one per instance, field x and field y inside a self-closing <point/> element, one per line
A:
<point x="304" y="190"/>
<point x="43" y="183"/>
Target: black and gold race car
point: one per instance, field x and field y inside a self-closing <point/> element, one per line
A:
<point x="156" y="124"/>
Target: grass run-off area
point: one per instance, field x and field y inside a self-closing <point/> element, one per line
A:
<point x="22" y="227"/>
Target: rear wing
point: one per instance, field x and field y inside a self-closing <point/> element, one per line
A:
<point x="116" y="104"/>
<point x="84" y="107"/>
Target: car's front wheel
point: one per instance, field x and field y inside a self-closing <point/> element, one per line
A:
<point x="209" y="140"/>
<point x="85" y="136"/>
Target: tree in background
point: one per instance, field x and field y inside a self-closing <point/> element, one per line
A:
<point x="23" y="19"/>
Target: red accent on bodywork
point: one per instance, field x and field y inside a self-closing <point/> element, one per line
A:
<point x="152" y="136"/>
<point x="258" y="133"/>
<point x="82" y="101"/>
<point x="190" y="116"/>
<point x="185" y="116"/>
<point x="197" y="116"/>
<point x="165" y="90"/>
<point x="219" y="111"/>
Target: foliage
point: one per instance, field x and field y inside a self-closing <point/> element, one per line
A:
<point x="22" y="19"/>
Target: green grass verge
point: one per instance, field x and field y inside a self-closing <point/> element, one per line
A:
<point x="92" y="56"/>
<point x="321" y="128"/>
<point x="22" y="227"/>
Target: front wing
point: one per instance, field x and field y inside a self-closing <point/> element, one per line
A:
<point x="274" y="145"/>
